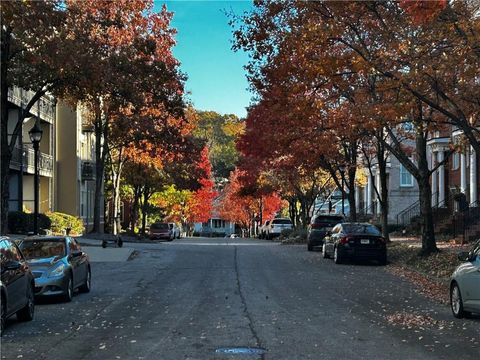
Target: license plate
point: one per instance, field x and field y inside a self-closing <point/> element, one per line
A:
<point x="364" y="241"/>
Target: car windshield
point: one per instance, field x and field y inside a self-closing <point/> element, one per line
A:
<point x="281" y="221"/>
<point x="37" y="249"/>
<point x="360" y="229"/>
<point x="159" y="226"/>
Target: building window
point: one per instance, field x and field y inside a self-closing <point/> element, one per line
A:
<point x="406" y="179"/>
<point x="455" y="161"/>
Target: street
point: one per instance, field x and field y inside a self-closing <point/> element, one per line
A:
<point x="189" y="298"/>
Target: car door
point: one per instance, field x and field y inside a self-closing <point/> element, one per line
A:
<point x="82" y="262"/>
<point x="15" y="280"/>
<point x="330" y="240"/>
<point x="74" y="262"/>
<point x="470" y="282"/>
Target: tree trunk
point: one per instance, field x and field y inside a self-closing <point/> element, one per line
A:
<point x="351" y="193"/>
<point x="6" y="154"/>
<point x="428" y="234"/>
<point x="146" y="196"/>
<point x="382" y="168"/>
<point x="99" y="170"/>
<point x="134" y="215"/>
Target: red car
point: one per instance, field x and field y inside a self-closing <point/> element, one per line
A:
<point x="161" y="231"/>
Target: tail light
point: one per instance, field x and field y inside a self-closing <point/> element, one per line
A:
<point x="345" y="240"/>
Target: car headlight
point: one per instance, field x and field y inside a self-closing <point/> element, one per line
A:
<point x="57" y="270"/>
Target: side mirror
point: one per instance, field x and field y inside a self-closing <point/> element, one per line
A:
<point x="464" y="256"/>
<point x="76" y="253"/>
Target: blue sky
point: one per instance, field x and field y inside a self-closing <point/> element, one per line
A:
<point x="216" y="78"/>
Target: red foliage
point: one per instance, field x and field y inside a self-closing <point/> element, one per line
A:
<point x="423" y="11"/>
<point x="201" y="203"/>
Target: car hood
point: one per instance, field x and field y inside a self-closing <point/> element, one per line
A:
<point x="43" y="262"/>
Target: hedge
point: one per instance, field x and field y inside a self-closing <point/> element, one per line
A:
<point x="61" y="221"/>
<point x="22" y="223"/>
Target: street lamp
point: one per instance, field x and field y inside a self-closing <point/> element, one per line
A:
<point x="35" y="134"/>
<point x="342" y="172"/>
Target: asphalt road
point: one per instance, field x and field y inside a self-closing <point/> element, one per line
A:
<point x="189" y="298"/>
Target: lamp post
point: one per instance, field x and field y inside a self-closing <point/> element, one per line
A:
<point x="342" y="172"/>
<point x="35" y="134"/>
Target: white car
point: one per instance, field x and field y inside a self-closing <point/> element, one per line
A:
<point x="465" y="284"/>
<point x="175" y="229"/>
<point x="277" y="226"/>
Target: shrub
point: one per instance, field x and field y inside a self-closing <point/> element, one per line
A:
<point x="20" y="222"/>
<point x="61" y="221"/>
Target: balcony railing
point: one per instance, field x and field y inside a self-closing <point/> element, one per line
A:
<point x="25" y="158"/>
<point x="88" y="170"/>
<point x="21" y="98"/>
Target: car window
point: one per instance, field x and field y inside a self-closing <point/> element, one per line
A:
<point x="159" y="226"/>
<point x="281" y="221"/>
<point x="327" y="219"/>
<point x="11" y="252"/>
<point x="36" y="249"/>
<point x="361" y="229"/>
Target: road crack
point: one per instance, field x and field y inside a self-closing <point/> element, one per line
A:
<point x="258" y="342"/>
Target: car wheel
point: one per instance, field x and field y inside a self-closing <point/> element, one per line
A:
<point x="26" y="313"/>
<point x="337" y="257"/>
<point x="68" y="295"/>
<point x="309" y="247"/>
<point x="4" y="315"/>
<point x="382" y="260"/>
<point x="119" y="242"/>
<point x="456" y="302"/>
<point x="104" y="244"/>
<point x="324" y="251"/>
<point x="85" y="288"/>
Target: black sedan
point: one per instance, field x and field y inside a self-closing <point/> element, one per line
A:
<point x="355" y="241"/>
<point x="16" y="283"/>
<point x="58" y="264"/>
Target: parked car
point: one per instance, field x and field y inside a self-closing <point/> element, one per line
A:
<point x="16" y="285"/>
<point x="161" y="231"/>
<point x="318" y="228"/>
<point x="355" y="241"/>
<point x="262" y="230"/>
<point x="175" y="230"/>
<point x="58" y="264"/>
<point x="234" y="236"/>
<point x="276" y="227"/>
<point x="465" y="284"/>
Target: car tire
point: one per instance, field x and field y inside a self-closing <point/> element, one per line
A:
<point x="456" y="302"/>
<point x="309" y="247"/>
<point x="68" y="295"/>
<point x="382" y="260"/>
<point x="27" y="312"/>
<point x="324" y="251"/>
<point x="337" y="257"/>
<point x="85" y="288"/>
<point x="119" y="242"/>
<point x="4" y="315"/>
<point x="104" y="244"/>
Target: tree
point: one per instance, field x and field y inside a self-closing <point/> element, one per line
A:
<point x="220" y="133"/>
<point x="37" y="54"/>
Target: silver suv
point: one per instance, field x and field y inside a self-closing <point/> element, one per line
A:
<point x="277" y="226"/>
<point x="465" y="284"/>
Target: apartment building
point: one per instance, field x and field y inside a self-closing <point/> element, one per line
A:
<point x="75" y="163"/>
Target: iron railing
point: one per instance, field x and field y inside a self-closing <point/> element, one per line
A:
<point x="24" y="159"/>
